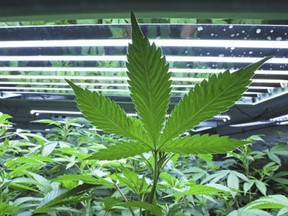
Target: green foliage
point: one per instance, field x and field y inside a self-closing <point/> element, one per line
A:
<point x="65" y="183"/>
<point x="268" y="202"/>
<point x="202" y="144"/>
<point x="150" y="87"/>
<point x="145" y="167"/>
<point x="149" y="82"/>
<point x="208" y="99"/>
<point x="119" y="151"/>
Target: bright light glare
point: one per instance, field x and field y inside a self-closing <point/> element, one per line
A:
<point x="123" y="58"/>
<point x="122" y="78"/>
<point x="262" y="44"/>
<point x="123" y="69"/>
<point x="32" y="112"/>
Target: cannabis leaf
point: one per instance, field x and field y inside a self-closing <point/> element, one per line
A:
<point x="119" y="151"/>
<point x="106" y="115"/>
<point x="205" y="144"/>
<point x="150" y="87"/>
<point x="208" y="99"/>
<point x="149" y="81"/>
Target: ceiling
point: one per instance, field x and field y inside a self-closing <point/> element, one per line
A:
<point x="34" y="60"/>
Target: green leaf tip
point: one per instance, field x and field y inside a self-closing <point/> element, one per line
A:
<point x="136" y="30"/>
<point x="149" y="82"/>
<point x="71" y="84"/>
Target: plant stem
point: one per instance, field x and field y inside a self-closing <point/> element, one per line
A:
<point x="156" y="173"/>
<point x="125" y="199"/>
<point x="88" y="204"/>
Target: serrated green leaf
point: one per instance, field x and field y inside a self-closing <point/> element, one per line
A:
<point x="118" y="151"/>
<point x="149" y="207"/>
<point x="205" y="144"/>
<point x="206" y="157"/>
<point x="110" y="202"/>
<point x="216" y="176"/>
<point x="57" y="195"/>
<point x="208" y="99"/>
<point x="261" y="186"/>
<point x="233" y="181"/>
<point x="6" y="209"/>
<point x="59" y="209"/>
<point x="274" y="157"/>
<point x="49" y="148"/>
<point x="106" y="115"/>
<point x="249" y="212"/>
<point x="269" y="202"/>
<point x="47" y="121"/>
<point x="280" y="149"/>
<point x="149" y="81"/>
<point x="201" y="190"/>
<point x="248" y="185"/>
<point x="283" y="211"/>
<point x="241" y="176"/>
<point x="23" y="200"/>
<point x="136" y="183"/>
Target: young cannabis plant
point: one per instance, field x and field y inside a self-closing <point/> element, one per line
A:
<point x="150" y="87"/>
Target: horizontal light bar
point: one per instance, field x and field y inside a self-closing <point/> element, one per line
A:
<point x="66" y="84"/>
<point x="123" y="69"/>
<point x="84" y="84"/>
<point x="283" y="123"/>
<point x="120" y="78"/>
<point x="32" y="112"/>
<point x="88" y="78"/>
<point x="57" y="89"/>
<point x="65" y="69"/>
<point x="280" y="118"/>
<point x="159" y="42"/>
<point x="250" y="124"/>
<point x="224" y="59"/>
<point x="106" y="90"/>
<point x="64" y="77"/>
<point x="123" y="58"/>
<point x="109" y="84"/>
<point x="275" y="95"/>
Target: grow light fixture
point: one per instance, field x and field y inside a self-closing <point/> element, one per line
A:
<point x="280" y="118"/>
<point x="81" y="58"/>
<point x="35" y="112"/>
<point x="123" y="69"/>
<point x="250" y="124"/>
<point x="4" y="95"/>
<point x="32" y="112"/>
<point x="283" y="123"/>
<point x="122" y="78"/>
<point x="261" y="44"/>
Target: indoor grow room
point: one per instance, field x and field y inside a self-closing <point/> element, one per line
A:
<point x="143" y="108"/>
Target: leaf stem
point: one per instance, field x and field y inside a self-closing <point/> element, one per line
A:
<point x="124" y="197"/>
<point x="156" y="173"/>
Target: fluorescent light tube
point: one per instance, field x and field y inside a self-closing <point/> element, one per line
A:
<point x="120" y="78"/>
<point x="32" y="112"/>
<point x="110" y="84"/>
<point x="283" y="123"/>
<point x="250" y="124"/>
<point x="280" y="118"/>
<point x="123" y="69"/>
<point x="123" y="58"/>
<point x="262" y="44"/>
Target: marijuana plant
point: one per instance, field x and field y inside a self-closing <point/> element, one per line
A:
<point x="150" y="87"/>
